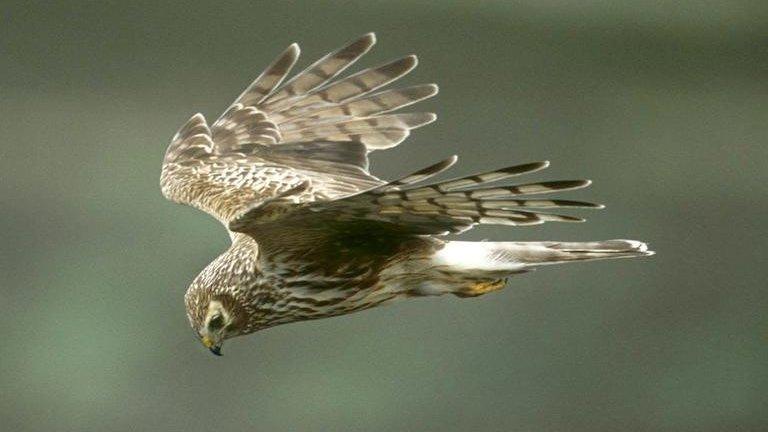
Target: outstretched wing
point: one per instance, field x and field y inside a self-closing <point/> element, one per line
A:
<point x="407" y="207"/>
<point x="313" y="131"/>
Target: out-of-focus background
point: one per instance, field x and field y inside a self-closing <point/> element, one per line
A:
<point x="664" y="104"/>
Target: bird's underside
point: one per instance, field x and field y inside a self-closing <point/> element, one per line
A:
<point x="314" y="234"/>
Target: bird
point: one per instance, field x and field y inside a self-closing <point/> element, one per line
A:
<point x="314" y="234"/>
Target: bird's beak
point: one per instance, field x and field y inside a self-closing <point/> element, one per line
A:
<point x="211" y="345"/>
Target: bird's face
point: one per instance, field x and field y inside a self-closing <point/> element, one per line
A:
<point x="213" y="328"/>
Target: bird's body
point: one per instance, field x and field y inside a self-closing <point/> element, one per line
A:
<point x="276" y="290"/>
<point x="314" y="234"/>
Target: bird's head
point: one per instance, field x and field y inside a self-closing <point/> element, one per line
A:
<point x="217" y="300"/>
<point x="214" y="318"/>
<point x="214" y="327"/>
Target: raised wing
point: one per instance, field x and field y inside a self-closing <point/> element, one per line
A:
<point x="313" y="130"/>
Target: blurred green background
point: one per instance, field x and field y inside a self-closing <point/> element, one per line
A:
<point x="664" y="104"/>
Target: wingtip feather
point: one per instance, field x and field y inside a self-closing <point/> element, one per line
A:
<point x="428" y="118"/>
<point x="293" y="50"/>
<point x="370" y="36"/>
<point x="364" y="43"/>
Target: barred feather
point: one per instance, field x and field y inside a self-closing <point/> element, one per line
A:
<point x="421" y="174"/>
<point x="217" y="168"/>
<point x="389" y="122"/>
<point x="193" y="137"/>
<point x="374" y="104"/>
<point x="324" y="69"/>
<point x="491" y="176"/>
<point x="240" y="126"/>
<point x="379" y="139"/>
<point x="467" y="202"/>
<point x="447" y="206"/>
<point x="272" y="76"/>
<point x="353" y="86"/>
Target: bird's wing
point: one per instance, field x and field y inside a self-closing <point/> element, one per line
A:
<point x="408" y="207"/>
<point x="312" y="130"/>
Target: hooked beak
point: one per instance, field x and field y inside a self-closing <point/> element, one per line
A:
<point x="211" y="345"/>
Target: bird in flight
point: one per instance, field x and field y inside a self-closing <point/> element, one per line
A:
<point x="314" y="234"/>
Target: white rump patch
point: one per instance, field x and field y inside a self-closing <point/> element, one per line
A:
<point x="462" y="255"/>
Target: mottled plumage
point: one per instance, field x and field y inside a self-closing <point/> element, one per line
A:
<point x="314" y="234"/>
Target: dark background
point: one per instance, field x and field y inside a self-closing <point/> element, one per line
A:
<point x="661" y="103"/>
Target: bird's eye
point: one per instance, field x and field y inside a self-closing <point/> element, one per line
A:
<point x="216" y="322"/>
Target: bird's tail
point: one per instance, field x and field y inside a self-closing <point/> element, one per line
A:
<point x="482" y="267"/>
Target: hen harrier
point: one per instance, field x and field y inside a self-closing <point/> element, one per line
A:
<point x="314" y="234"/>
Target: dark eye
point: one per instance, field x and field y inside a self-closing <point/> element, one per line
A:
<point x="216" y="322"/>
